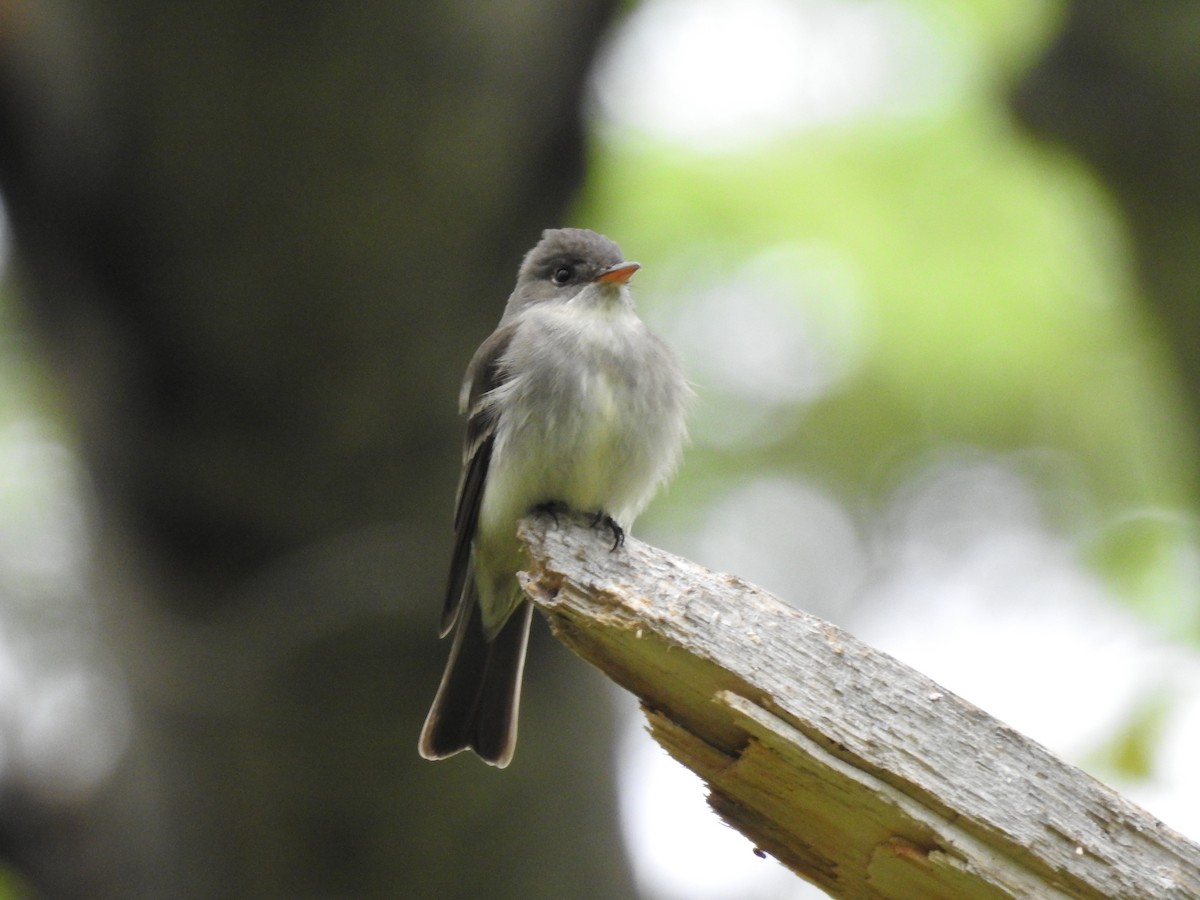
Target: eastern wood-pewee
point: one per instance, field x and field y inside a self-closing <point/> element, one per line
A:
<point x="573" y="403"/>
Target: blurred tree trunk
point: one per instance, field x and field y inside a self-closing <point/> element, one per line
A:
<point x="259" y="242"/>
<point x="1121" y="87"/>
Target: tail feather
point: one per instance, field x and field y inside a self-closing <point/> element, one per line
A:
<point x="477" y="702"/>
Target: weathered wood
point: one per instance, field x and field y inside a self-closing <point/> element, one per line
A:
<point x="859" y="773"/>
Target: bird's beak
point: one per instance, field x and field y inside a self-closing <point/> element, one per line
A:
<point x="618" y="274"/>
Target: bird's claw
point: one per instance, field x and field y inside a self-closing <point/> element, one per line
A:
<point x="550" y="508"/>
<point x="617" y="532"/>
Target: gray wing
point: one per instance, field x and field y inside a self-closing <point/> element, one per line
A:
<point x="484" y="375"/>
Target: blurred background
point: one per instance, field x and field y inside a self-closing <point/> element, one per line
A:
<point x="934" y="273"/>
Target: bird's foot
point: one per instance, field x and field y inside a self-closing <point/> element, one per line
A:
<point x="617" y="532"/>
<point x="551" y="508"/>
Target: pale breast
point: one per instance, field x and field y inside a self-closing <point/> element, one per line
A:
<point x="585" y="424"/>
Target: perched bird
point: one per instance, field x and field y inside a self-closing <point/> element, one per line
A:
<point x="572" y="403"/>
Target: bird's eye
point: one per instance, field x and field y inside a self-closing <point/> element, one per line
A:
<point x="563" y="274"/>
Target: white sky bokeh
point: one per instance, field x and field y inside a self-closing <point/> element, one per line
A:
<point x="64" y="722"/>
<point x="721" y="74"/>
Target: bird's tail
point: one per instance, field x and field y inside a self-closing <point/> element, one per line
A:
<point x="477" y="702"/>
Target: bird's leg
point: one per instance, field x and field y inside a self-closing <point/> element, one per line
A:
<point x="617" y="532"/>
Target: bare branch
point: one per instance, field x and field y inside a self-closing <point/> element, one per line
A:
<point x="857" y="772"/>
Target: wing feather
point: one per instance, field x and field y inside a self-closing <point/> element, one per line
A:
<point x="484" y="375"/>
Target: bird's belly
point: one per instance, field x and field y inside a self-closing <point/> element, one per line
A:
<point x="583" y="449"/>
